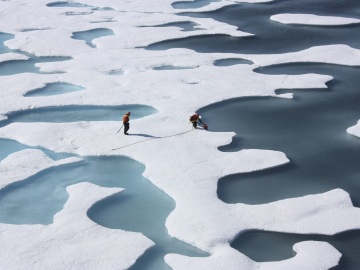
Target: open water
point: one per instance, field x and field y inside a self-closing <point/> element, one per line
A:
<point x="310" y="129"/>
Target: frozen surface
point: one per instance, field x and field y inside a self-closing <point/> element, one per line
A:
<point x="184" y="163"/>
<point x="54" y="89"/>
<point x="355" y="130"/>
<point x="318" y="54"/>
<point x="311" y="19"/>
<point x="25" y="163"/>
<point x="12" y="56"/>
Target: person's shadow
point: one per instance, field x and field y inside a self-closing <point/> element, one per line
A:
<point x="143" y="135"/>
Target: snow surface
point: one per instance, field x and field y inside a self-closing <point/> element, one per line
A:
<point x="184" y="163"/>
<point x="12" y="57"/>
<point x="319" y="54"/>
<point x="310" y="19"/>
<point x="22" y="164"/>
<point x="354" y="130"/>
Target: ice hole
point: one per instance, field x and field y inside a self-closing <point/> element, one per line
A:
<point x="75" y="113"/>
<point x="192" y="4"/>
<point x="34" y="29"/>
<point x="67" y="4"/>
<point x="4" y="37"/>
<point x="8" y="147"/>
<point x="76" y="5"/>
<point x="90" y="35"/>
<point x="171" y="67"/>
<point x="115" y="72"/>
<point x="22" y="66"/>
<point x="231" y="62"/>
<point x="185" y="26"/>
<point x="51" y="89"/>
<point x="102" y="8"/>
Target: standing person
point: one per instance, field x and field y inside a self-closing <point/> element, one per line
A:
<point x="126" y="119"/>
<point x="194" y="119"/>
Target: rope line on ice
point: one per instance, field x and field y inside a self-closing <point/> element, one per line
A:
<point x="152" y="139"/>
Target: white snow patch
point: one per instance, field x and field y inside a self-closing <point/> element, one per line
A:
<point x="22" y="164"/>
<point x="327" y="213"/>
<point x="354" y="130"/>
<point x="311" y="19"/>
<point x="12" y="56"/>
<point x="319" y="54"/>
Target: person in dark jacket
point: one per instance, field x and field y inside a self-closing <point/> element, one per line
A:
<point x="126" y="120"/>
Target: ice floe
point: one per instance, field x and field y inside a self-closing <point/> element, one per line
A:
<point x="355" y="130"/>
<point x="289" y="18"/>
<point x="12" y="57"/>
<point x="319" y="54"/>
<point x="184" y="163"/>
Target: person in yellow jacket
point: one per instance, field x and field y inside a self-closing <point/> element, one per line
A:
<point x="126" y="120"/>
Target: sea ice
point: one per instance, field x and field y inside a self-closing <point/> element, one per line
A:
<point x="184" y="163"/>
<point x="11" y="57"/>
<point x="289" y="18"/>
<point x="355" y="130"/>
<point x="25" y="163"/>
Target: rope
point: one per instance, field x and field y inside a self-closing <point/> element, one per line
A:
<point x="152" y="139"/>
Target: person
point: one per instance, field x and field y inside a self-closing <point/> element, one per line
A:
<point x="126" y="119"/>
<point x="194" y="120"/>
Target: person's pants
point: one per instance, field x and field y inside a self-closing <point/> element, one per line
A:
<point x="126" y="126"/>
<point x="194" y="124"/>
